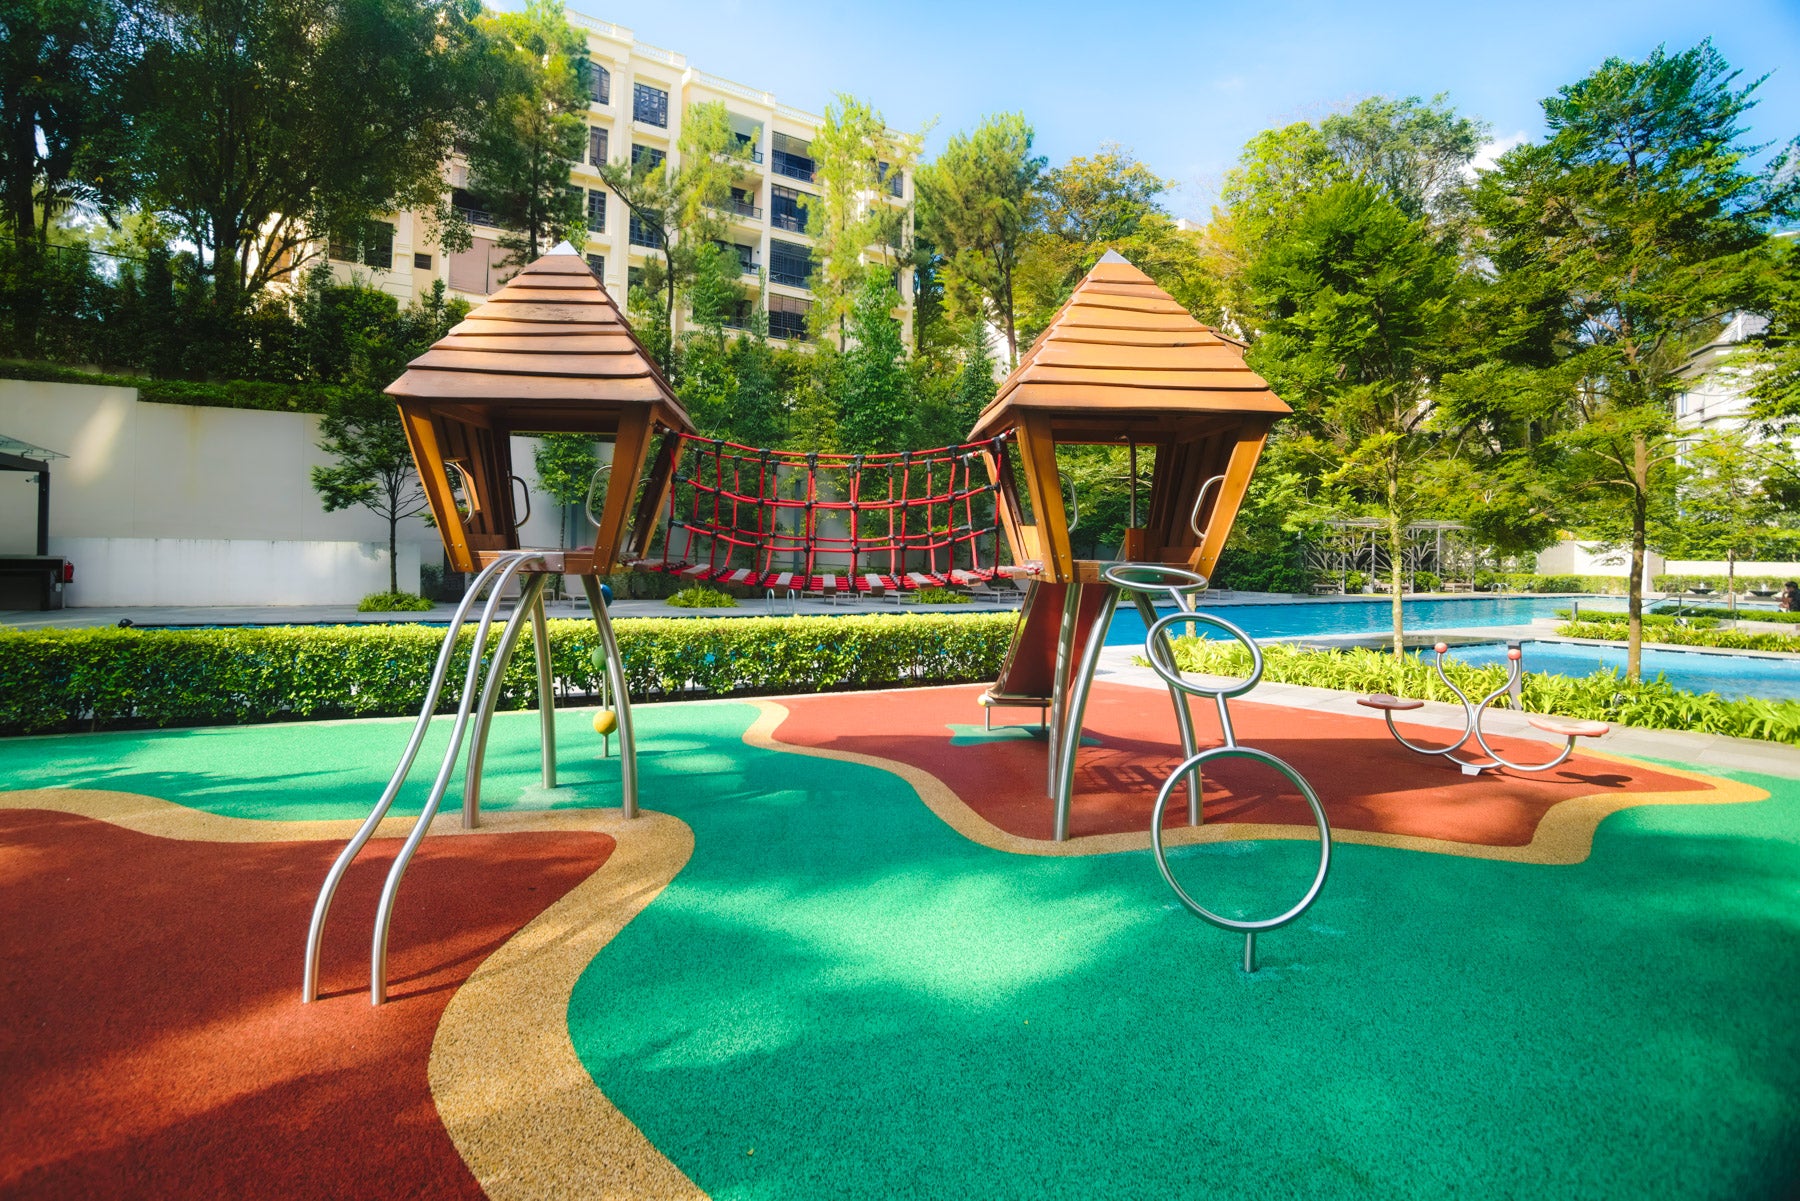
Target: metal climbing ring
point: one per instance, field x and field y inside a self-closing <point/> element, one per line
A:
<point x="1164" y="578"/>
<point x="1162" y="659"/>
<point x="1162" y="861"/>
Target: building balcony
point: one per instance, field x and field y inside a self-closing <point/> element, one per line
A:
<point x="790" y="277"/>
<point x="477" y="217"/>
<point x="794" y="223"/>
<point x="791" y="326"/>
<point x="793" y="166"/>
<point x="740" y="208"/>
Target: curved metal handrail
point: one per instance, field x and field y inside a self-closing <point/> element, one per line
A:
<point x="470" y="496"/>
<point x="322" y="907"/>
<point x="1472" y="711"/>
<point x="526" y="488"/>
<point x="1194" y="517"/>
<point x="384" y="910"/>
<point x="587" y="505"/>
<point x="1068" y="484"/>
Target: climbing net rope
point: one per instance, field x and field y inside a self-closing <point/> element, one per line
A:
<point x="830" y="522"/>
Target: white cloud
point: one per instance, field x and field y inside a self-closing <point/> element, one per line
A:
<point x="1484" y="157"/>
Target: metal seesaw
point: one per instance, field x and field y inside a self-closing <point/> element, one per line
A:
<point x="1566" y="727"/>
<point x="1143" y="579"/>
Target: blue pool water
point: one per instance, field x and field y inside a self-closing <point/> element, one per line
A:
<point x="1306" y="618"/>
<point x="1727" y="675"/>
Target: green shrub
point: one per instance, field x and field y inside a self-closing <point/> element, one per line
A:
<point x="1355" y="581"/>
<point x="699" y="596"/>
<point x="99" y="678"/>
<point x="1603" y="696"/>
<point x="232" y="394"/>
<point x="1723" y="611"/>
<point x="1618" y="617"/>
<point x="392" y="602"/>
<point x="1426" y="581"/>
<point x="1672" y="634"/>
<point x="940" y="596"/>
<point x="1718" y="583"/>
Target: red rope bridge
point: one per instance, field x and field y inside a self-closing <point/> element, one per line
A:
<point x="830" y="523"/>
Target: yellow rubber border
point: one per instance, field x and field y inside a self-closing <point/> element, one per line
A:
<point x="1564" y="835"/>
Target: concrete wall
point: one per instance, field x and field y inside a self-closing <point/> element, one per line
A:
<point x="1570" y="557"/>
<point x="181" y="505"/>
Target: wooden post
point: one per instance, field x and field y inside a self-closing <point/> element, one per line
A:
<point x="1037" y="455"/>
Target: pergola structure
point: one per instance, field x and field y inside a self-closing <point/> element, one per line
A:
<point x="1121" y="364"/>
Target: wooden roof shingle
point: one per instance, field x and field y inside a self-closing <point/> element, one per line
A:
<point x="550" y="350"/>
<point x="1121" y="346"/>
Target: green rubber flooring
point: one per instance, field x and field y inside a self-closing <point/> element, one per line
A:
<point x="840" y="997"/>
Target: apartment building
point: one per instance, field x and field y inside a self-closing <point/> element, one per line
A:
<point x="637" y="96"/>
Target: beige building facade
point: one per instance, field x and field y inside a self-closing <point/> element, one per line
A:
<point x="638" y="94"/>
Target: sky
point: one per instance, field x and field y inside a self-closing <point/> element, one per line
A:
<point x="1184" y="85"/>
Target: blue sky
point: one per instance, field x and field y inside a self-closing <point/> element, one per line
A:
<point x="1183" y="84"/>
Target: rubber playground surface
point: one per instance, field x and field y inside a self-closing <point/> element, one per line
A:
<point x="838" y="957"/>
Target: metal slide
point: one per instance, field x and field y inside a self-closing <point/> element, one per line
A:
<point x="478" y="703"/>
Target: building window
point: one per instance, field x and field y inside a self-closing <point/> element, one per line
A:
<point x="745" y="255"/>
<point x="371" y="243"/>
<point x="790" y="263"/>
<point x="596" y="146"/>
<point x="596" y="209"/>
<point x="643" y="235"/>
<point x="634" y="279"/>
<point x="895" y="180"/>
<point x="650" y="105"/>
<point x="786" y="210"/>
<point x="787" y="317"/>
<point x="469" y="205"/>
<point x="791" y="157"/>
<point x="743" y="203"/>
<point x="422" y="262"/>
<point x="647" y="154"/>
<point x="599" y="83"/>
<point x="597" y="264"/>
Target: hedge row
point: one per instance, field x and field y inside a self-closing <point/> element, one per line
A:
<point x="93" y="679"/>
<point x="231" y="394"/>
<point x="1603" y="696"/>
<point x="1718" y="583"/>
<point x="1674" y="635"/>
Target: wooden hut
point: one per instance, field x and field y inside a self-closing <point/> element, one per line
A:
<point x="548" y="353"/>
<point x="1122" y="364"/>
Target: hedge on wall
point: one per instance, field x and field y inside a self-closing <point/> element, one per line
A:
<point x="97" y="678"/>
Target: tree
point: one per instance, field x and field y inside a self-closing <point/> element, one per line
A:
<point x="59" y="69"/>
<point x="1414" y="151"/>
<point x="977" y="205"/>
<point x="877" y="397"/>
<point x="565" y="466"/>
<point x="361" y="429"/>
<point x="1357" y="303"/>
<point x="1630" y="230"/>
<point x="530" y="128"/>
<point x="1108" y="201"/>
<point x="854" y="157"/>
<point x="675" y="210"/>
<point x="975" y="383"/>
<point x="255" y="125"/>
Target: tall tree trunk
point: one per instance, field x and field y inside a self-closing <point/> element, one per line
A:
<point x="1640" y="528"/>
<point x="393" y="552"/>
<point x="1396" y="569"/>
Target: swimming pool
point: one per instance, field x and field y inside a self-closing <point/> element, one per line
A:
<point x="1727" y="675"/>
<point x="1376" y="616"/>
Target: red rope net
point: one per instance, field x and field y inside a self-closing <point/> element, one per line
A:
<point x="830" y="522"/>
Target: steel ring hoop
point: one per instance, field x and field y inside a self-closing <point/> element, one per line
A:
<point x="1293" y="777"/>
<point x="1177" y="579"/>
<point x="1155" y="639"/>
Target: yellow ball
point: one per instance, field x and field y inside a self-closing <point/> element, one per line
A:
<point x="605" y="721"/>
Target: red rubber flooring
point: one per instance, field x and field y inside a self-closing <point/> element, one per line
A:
<point x="152" y="1040"/>
<point x="1364" y="778"/>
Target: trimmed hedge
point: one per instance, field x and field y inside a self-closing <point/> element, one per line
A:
<point x="58" y="680"/>
<point x="1674" y="635"/>
<point x="1718" y="583"/>
<point x="231" y="394"/>
<point x="1603" y="696"/>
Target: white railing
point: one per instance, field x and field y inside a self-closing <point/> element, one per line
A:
<point x="604" y="28"/>
<point x="720" y="84"/>
<point x="796" y="114"/>
<point x="657" y="54"/>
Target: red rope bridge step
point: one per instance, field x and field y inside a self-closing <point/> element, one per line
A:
<point x="817" y="522"/>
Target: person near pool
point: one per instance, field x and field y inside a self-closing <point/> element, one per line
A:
<point x="1790" y="597"/>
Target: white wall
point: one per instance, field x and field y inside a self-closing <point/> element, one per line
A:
<point x="1744" y="568"/>
<point x="1570" y="557"/>
<point x="179" y="505"/>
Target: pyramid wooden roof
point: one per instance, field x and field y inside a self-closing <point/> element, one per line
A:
<point x="1122" y="357"/>
<point x="548" y="352"/>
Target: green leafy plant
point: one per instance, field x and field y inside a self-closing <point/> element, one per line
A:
<point x="1603" y="696"/>
<point x="699" y="596"/>
<point x="392" y="602"/>
<point x="1426" y="581"/>
<point x="940" y="596"/>
<point x="1671" y="634"/>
